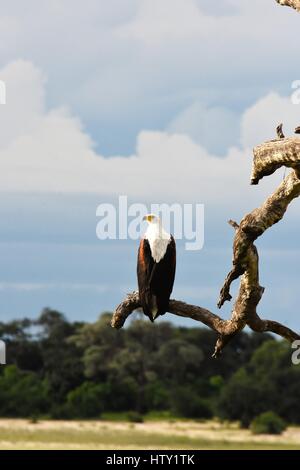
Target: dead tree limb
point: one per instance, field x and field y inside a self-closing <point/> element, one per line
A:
<point x="253" y="225"/>
<point x="290" y="3"/>
<point x="267" y="158"/>
<point x="226" y="329"/>
<point x="272" y="155"/>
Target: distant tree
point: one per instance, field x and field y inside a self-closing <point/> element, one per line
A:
<point x="268" y="381"/>
<point x="268" y="423"/>
<point x="63" y="367"/>
<point x="187" y="403"/>
<point x="66" y="370"/>
<point x="98" y="343"/>
<point x="22" y="349"/>
<point x="86" y="401"/>
<point x="232" y="404"/>
<point x="22" y="393"/>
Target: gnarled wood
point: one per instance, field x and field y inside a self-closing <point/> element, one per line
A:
<point x="272" y="155"/>
<point x="254" y="225"/>
<point x="290" y="3"/>
<point x="226" y="329"/>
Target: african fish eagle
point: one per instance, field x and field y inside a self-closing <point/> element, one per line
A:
<point x="156" y="268"/>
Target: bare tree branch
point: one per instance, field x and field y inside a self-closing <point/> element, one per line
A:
<point x="272" y="155"/>
<point x="261" y="326"/>
<point x="254" y="225"/>
<point x="267" y="158"/>
<point x="226" y="329"/>
<point x="290" y="3"/>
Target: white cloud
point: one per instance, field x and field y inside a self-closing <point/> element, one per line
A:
<point x="25" y="100"/>
<point x="157" y="21"/>
<point x="58" y="286"/>
<point x="260" y="120"/>
<point x="52" y="153"/>
<point x="215" y="128"/>
<point x="132" y="64"/>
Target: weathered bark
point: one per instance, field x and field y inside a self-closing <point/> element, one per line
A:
<point x="272" y="155"/>
<point x="290" y="3"/>
<point x="226" y="329"/>
<point x="267" y="157"/>
<point x="254" y="225"/>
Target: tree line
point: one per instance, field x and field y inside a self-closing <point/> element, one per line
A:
<point x="74" y="370"/>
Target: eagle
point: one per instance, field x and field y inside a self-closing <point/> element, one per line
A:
<point x="156" y="268"/>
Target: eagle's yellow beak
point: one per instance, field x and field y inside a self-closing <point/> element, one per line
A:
<point x="148" y="218"/>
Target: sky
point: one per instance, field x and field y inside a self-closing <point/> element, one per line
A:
<point x="158" y="100"/>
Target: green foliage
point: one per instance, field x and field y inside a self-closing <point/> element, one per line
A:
<point x="267" y="381"/>
<point x="134" y="417"/>
<point x="22" y="394"/>
<point x="241" y="399"/>
<point x="157" y="397"/>
<point x="188" y="404"/>
<point x="62" y="364"/>
<point x="80" y="370"/>
<point x="268" y="423"/>
<point x="216" y="382"/>
<point x="163" y="415"/>
<point x="86" y="401"/>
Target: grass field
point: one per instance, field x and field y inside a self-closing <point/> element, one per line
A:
<point x="21" y="434"/>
